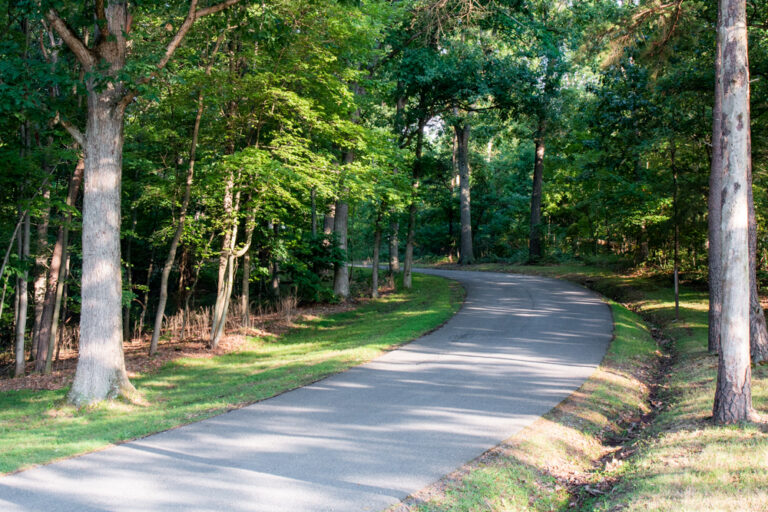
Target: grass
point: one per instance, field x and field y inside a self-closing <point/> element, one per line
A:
<point x="36" y="427"/>
<point x="682" y="462"/>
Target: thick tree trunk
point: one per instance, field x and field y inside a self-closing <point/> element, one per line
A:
<point x="341" y="271"/>
<point x="715" y="207"/>
<point x="101" y="366"/>
<point x="41" y="277"/>
<point x="47" y="336"/>
<point x="535" y="249"/>
<point x="733" y="397"/>
<point x="160" y="313"/>
<point x="22" y="300"/>
<point x="462" y="138"/>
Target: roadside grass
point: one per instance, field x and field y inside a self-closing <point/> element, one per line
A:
<point x="37" y="427"/>
<point x="682" y="462"/>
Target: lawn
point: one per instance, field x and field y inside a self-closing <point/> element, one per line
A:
<point x="37" y="427"/>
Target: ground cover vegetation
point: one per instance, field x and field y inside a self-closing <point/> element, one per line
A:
<point x="171" y="170"/>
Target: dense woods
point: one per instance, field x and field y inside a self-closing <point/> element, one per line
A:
<point x="170" y="164"/>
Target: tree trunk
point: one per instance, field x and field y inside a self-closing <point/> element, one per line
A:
<point x="41" y="277"/>
<point x="375" y="260"/>
<point x="535" y="248"/>
<point x="394" y="248"/>
<point x="758" y="332"/>
<point x="341" y="271"/>
<point x="328" y="219"/>
<point x="160" y="313"/>
<point x="313" y="198"/>
<point x="462" y="138"/>
<point x="411" y="240"/>
<point x="227" y="246"/>
<point x="129" y="277"/>
<point x="733" y="397"/>
<point x="715" y="207"/>
<point x="145" y="305"/>
<point x="22" y="295"/>
<point x="55" y="283"/>
<point x="60" y="308"/>
<point x="245" y="295"/>
<point x="101" y="366"/>
<point x="676" y="248"/>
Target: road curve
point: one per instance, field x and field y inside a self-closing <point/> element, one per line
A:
<point x="363" y="439"/>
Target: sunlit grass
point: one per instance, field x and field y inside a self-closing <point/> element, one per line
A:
<point x="37" y="427"/>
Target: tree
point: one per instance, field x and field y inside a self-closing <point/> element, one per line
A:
<point x="733" y="397"/>
<point x="101" y="367"/>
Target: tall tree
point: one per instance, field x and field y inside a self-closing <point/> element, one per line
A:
<point x="733" y="397"/>
<point x="462" y="131"/>
<point x="101" y="366"/>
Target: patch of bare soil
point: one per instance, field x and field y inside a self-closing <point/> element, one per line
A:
<point x="137" y="360"/>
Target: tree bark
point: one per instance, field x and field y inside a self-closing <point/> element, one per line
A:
<point x="341" y="271"/>
<point x="22" y="295"/>
<point x="245" y="295"/>
<point x="462" y="153"/>
<point x="733" y="396"/>
<point x="329" y="219"/>
<point x="41" y="277"/>
<point x="375" y="259"/>
<point x="715" y="207"/>
<point x="394" y="248"/>
<point x="101" y="366"/>
<point x="47" y="336"/>
<point x="340" y="225"/>
<point x="535" y="248"/>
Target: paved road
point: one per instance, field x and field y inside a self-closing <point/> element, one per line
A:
<point x="363" y="439"/>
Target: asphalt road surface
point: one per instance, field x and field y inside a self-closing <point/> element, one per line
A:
<point x="364" y="439"/>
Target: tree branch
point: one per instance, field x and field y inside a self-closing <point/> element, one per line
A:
<point x="83" y="54"/>
<point x="193" y="14"/>
<point x="72" y="130"/>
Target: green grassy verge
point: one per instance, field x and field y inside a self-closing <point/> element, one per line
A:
<point x="682" y="462"/>
<point x="36" y="427"/>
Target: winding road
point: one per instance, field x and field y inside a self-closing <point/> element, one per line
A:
<point x="364" y="439"/>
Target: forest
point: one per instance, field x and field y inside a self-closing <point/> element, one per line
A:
<point x="171" y="168"/>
